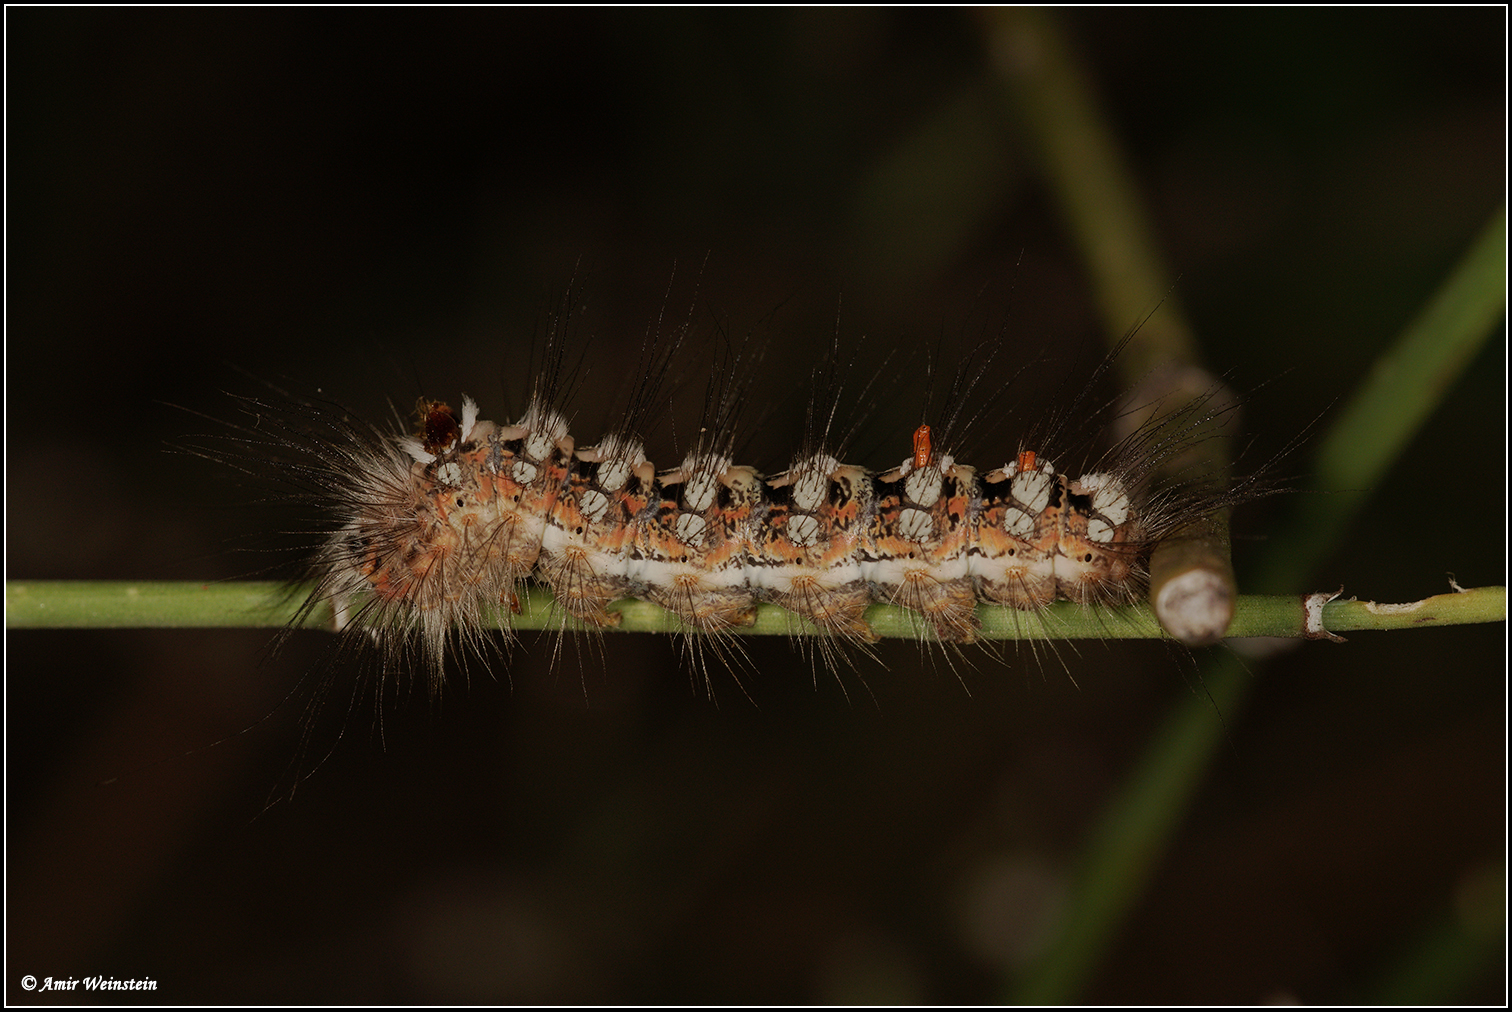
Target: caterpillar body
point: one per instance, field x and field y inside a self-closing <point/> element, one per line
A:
<point x="435" y="529"/>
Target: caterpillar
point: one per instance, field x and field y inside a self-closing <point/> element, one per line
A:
<point x="431" y="529"/>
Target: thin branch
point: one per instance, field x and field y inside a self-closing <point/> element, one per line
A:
<point x="78" y="604"/>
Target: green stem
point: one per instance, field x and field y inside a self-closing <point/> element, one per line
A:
<point x="1122" y="851"/>
<point x="1403" y="388"/>
<point x="78" y="604"/>
<point x="1044" y="84"/>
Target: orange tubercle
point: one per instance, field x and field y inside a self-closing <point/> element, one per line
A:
<point x="923" y="449"/>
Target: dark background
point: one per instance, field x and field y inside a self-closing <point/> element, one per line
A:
<point x="384" y="203"/>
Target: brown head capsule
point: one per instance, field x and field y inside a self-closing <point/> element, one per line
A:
<point x="438" y="425"/>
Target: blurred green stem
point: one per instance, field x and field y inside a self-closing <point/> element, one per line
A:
<point x="1044" y="85"/>
<point x="1403" y="388"/>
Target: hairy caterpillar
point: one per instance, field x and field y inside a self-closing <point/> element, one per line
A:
<point x="428" y="531"/>
<point x="310" y="205"/>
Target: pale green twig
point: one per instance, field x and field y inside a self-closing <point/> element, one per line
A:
<point x="79" y="604"/>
